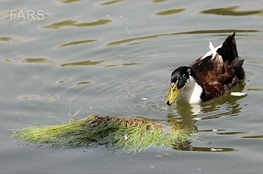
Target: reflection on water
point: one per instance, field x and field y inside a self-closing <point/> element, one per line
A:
<point x="255" y="89"/>
<point x="231" y="133"/>
<point x="74" y="23"/>
<point x="136" y="39"/>
<point x="188" y="118"/>
<point x="10" y="39"/>
<point x="187" y="147"/>
<point x="78" y="59"/>
<point x="170" y="11"/>
<point x="78" y="42"/>
<point x="82" y="63"/>
<point x="82" y="83"/>
<point x="231" y="11"/>
<point x="110" y="2"/>
<point x="36" y="60"/>
<point x="5" y="38"/>
<point x="68" y="1"/>
<point x="253" y="136"/>
<point x="159" y="0"/>
<point x="232" y="105"/>
<point x="29" y="60"/>
<point x="37" y="97"/>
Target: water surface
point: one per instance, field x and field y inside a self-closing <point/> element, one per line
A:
<point x="115" y="58"/>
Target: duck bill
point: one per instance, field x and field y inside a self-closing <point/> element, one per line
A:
<point x="172" y="95"/>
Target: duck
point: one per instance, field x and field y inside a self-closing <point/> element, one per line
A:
<point x="209" y="76"/>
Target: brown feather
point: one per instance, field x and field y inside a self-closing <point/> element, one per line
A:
<point x="219" y="74"/>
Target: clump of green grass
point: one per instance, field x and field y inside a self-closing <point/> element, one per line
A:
<point x="131" y="134"/>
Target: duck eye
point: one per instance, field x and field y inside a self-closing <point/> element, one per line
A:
<point x="185" y="77"/>
<point x="181" y="78"/>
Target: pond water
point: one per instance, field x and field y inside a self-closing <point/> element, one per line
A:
<point x="114" y="57"/>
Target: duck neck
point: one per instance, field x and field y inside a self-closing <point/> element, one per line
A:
<point x="191" y="93"/>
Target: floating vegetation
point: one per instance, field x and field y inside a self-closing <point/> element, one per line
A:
<point x="130" y="134"/>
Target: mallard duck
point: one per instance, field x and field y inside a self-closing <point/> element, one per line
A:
<point x="209" y="76"/>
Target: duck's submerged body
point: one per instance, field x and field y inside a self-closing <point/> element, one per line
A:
<point x="209" y="76"/>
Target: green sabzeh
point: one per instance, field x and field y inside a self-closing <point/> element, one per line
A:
<point x="115" y="132"/>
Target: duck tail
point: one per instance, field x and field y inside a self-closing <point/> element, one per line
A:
<point x="239" y="71"/>
<point x="228" y="50"/>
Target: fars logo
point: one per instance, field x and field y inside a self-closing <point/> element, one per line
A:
<point x="27" y="18"/>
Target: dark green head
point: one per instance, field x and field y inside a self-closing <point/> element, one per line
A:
<point x="179" y="78"/>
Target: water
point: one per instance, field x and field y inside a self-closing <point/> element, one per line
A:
<point x="115" y="58"/>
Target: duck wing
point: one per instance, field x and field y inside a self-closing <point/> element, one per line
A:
<point x="218" y="70"/>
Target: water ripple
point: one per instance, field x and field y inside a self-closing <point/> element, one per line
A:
<point x="253" y="136"/>
<point x="170" y="11"/>
<point x="111" y="2"/>
<point x="204" y="149"/>
<point x="74" y="23"/>
<point x="231" y="11"/>
<point x="68" y="1"/>
<point x="78" y="42"/>
<point x="36" y="60"/>
<point x="128" y="41"/>
<point x="82" y="63"/>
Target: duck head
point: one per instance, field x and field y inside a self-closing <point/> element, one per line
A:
<point x="180" y="78"/>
